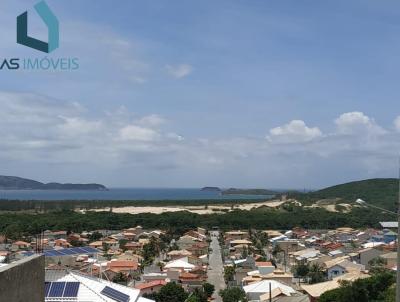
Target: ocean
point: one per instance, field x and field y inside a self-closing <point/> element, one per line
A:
<point x="123" y="194"/>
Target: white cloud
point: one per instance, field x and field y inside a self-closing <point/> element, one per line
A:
<point x="152" y="120"/>
<point x="133" y="132"/>
<point x="179" y="71"/>
<point x="357" y="122"/>
<point x="397" y="123"/>
<point x="44" y="134"/>
<point x="295" y="131"/>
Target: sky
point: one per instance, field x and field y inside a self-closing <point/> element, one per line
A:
<point x="238" y="93"/>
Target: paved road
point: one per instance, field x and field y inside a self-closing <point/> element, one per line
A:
<point x="216" y="274"/>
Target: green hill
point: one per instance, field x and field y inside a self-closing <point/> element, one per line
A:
<point x="378" y="191"/>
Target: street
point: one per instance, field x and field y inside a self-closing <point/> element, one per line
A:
<point x="216" y="273"/>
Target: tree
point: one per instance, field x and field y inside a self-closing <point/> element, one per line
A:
<point x="193" y="298"/>
<point x="95" y="236"/>
<point x="150" y="250"/>
<point x="229" y="273"/>
<point x="120" y="278"/>
<point x="377" y="265"/>
<point x="198" y="295"/>
<point x="122" y="243"/>
<point x="208" y="289"/>
<point x="316" y="274"/>
<point x="76" y="243"/>
<point x="234" y="294"/>
<point x="171" y="292"/>
<point x="376" y="288"/>
<point x="277" y="249"/>
<point x="301" y="270"/>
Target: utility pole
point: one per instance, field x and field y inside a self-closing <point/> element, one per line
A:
<point x="270" y="293"/>
<point x="398" y="245"/>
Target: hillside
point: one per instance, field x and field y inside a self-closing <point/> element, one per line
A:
<point x="18" y="183"/>
<point x="378" y="191"/>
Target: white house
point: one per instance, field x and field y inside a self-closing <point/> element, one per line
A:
<point x="255" y="290"/>
<point x="61" y="285"/>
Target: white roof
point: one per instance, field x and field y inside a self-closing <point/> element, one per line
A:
<point x="263" y="287"/>
<point x="141" y="299"/>
<point x="335" y="252"/>
<point x="372" y="244"/>
<point x="180" y="263"/>
<point x="311" y="254"/>
<point x="388" y="224"/>
<point x="239" y="261"/>
<point x="282" y="237"/>
<point x="90" y="287"/>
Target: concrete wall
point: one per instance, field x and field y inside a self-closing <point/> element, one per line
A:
<point x="23" y="280"/>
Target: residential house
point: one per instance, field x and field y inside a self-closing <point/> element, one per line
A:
<point x="185" y="242"/>
<point x="20" y="245"/>
<point x="340" y="266"/>
<point x="390" y="258"/>
<point x="236" y="235"/>
<point x="364" y="256"/>
<point x="89" y="288"/>
<point x="244" y="266"/>
<point x="254" y="291"/>
<point x="150" y="287"/>
<point x="179" y="264"/>
<point x="314" y="291"/>
<point x="177" y="254"/>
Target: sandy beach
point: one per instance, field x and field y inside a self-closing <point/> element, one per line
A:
<point x="194" y="209"/>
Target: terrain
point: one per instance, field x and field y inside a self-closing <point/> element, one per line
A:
<point x="327" y="208"/>
<point x="18" y="183"/>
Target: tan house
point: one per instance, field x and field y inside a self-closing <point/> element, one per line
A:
<point x="236" y="235"/>
<point x="177" y="254"/>
<point x="20" y="245"/>
<point x="185" y="242"/>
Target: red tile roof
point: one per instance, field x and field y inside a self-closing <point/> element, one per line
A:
<point x="151" y="284"/>
<point x="265" y="263"/>
<point x="121" y="264"/>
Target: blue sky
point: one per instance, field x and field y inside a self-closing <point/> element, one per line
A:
<point x="186" y="94"/>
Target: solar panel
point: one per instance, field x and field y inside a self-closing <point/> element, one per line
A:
<point x="77" y="250"/>
<point x="71" y="289"/>
<point x="56" y="289"/>
<point x="115" y="294"/>
<point x="66" y="252"/>
<point x="51" y="253"/>
<point x="71" y="251"/>
<point x="89" y="250"/>
<point x="46" y="288"/>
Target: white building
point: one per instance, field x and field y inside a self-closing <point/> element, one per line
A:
<point x="254" y="291"/>
<point x="62" y="285"/>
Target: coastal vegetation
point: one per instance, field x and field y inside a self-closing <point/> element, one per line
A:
<point x="19" y="224"/>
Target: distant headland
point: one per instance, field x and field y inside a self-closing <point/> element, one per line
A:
<point x="18" y="183"/>
<point x="236" y="191"/>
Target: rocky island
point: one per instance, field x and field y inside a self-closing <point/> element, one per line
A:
<point x="18" y="183"/>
